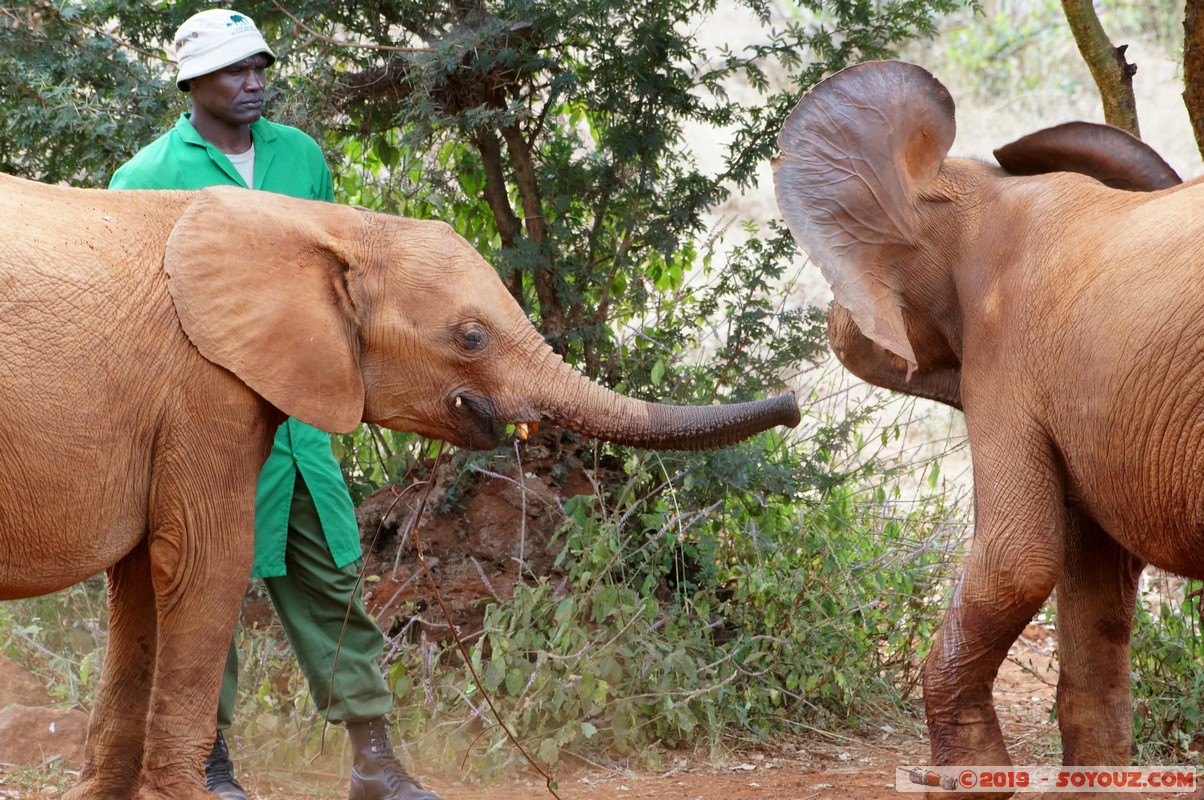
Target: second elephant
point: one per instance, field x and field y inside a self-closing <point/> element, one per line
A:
<point x="1055" y="299"/>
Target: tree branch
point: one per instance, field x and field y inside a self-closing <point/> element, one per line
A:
<point x="342" y="43"/>
<point x="1112" y="74"/>
<point x="497" y="197"/>
<point x="1193" y="70"/>
<point x="551" y="309"/>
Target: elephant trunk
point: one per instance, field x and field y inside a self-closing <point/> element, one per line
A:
<point x="569" y="398"/>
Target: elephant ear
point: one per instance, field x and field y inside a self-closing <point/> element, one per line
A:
<point x="1112" y="156"/>
<point x="260" y="285"/>
<point x="856" y="152"/>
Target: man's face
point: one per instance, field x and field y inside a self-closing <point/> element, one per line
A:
<point x="233" y="94"/>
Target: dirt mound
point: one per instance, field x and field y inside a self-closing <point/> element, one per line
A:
<point x="33" y="736"/>
<point x="481" y="530"/>
<point x="20" y="687"/>
<point x="31" y="733"/>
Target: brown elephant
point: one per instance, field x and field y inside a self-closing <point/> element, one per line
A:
<point x="156" y="339"/>
<point x="1054" y="308"/>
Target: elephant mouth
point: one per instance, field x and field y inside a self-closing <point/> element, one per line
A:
<point x="482" y="424"/>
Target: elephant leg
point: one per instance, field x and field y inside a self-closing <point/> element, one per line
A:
<point x="1014" y="563"/>
<point x="1096" y="596"/>
<point x="200" y="565"/>
<point x="117" y="726"/>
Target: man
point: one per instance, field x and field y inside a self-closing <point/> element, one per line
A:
<point x="307" y="547"/>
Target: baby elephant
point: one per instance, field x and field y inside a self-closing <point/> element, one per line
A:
<point x="161" y="337"/>
<point x="1052" y="298"/>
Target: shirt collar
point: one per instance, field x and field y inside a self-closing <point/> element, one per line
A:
<point x="261" y="131"/>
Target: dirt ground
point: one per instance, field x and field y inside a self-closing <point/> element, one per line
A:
<point x="501" y="521"/>
<point x="479" y="531"/>
<point x="506" y="519"/>
<point x="828" y="766"/>
<point x="509" y="519"/>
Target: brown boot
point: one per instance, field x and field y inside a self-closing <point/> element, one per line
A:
<point x="376" y="774"/>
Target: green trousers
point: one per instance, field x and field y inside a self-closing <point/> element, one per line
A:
<point x="312" y="600"/>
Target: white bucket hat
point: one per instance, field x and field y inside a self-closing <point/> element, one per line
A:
<point x="213" y="39"/>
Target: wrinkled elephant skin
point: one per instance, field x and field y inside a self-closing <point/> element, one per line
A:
<point x="1052" y="298"/>
<point x="150" y="344"/>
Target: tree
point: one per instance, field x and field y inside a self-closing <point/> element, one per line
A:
<point x="552" y="133"/>
<point x="77" y="97"/>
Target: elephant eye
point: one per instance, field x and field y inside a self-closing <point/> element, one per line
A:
<point x="471" y="337"/>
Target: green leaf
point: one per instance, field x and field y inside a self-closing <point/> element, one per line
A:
<point x="549" y="751"/>
<point x="495" y="674"/>
<point x="658" y="372"/>
<point x="515" y="680"/>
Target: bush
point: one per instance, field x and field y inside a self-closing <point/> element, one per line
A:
<point x="61" y="638"/>
<point x="1168" y="670"/>
<point x="683" y="623"/>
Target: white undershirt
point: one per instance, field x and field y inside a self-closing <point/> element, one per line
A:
<point x="245" y="164"/>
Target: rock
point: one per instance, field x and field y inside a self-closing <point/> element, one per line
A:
<point x="32" y="737"/>
<point x="19" y="687"/>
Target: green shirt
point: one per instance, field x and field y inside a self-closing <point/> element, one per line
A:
<point x="287" y="161"/>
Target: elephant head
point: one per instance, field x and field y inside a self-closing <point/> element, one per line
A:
<point x="336" y="315"/>
<point x="861" y="186"/>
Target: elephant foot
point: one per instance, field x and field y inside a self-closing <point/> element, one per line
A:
<point x="92" y="790"/>
<point x="176" y="793"/>
<point x="88" y="789"/>
<point x="174" y="784"/>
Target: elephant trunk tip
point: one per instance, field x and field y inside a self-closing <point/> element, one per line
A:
<point x="788" y="403"/>
<point x="603" y="414"/>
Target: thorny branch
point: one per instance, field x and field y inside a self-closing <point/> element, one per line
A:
<point x="548" y="780"/>
<point x="341" y="43"/>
